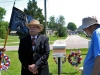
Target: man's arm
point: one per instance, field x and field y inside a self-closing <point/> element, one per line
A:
<point x="96" y="68"/>
<point x="45" y="55"/>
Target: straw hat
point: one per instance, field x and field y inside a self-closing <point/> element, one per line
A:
<point x="86" y="22"/>
<point x="34" y="22"/>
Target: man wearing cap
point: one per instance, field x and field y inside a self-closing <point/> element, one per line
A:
<point x="34" y="51"/>
<point x="91" y="64"/>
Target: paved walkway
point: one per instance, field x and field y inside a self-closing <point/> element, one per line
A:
<point x="75" y="41"/>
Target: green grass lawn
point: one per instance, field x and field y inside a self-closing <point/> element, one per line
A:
<point x="11" y="41"/>
<point x="53" y="38"/>
<point x="84" y="36"/>
<point x="67" y="69"/>
<point x="14" y="40"/>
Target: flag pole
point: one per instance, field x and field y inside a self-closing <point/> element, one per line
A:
<point x="6" y="37"/>
<point x="45" y="15"/>
<point x="8" y="30"/>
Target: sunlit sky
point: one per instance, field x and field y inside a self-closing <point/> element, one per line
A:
<point x="72" y="10"/>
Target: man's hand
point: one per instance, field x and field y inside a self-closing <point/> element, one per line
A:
<point x="33" y="68"/>
<point x="2" y="49"/>
<point x="35" y="72"/>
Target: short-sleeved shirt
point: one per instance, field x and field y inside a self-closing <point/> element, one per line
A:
<point x="93" y="52"/>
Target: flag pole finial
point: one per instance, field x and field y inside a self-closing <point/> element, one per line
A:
<point x="14" y="3"/>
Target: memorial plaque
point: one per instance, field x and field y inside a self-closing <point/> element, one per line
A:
<point x="59" y="49"/>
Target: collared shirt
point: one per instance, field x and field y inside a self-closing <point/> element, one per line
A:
<point x="93" y="52"/>
<point x="34" y="40"/>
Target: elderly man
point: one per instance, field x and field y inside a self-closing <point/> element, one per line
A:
<point x="92" y="61"/>
<point x="34" y="51"/>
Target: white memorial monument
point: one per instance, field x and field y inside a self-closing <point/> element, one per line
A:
<point x="59" y="48"/>
<point x="59" y="51"/>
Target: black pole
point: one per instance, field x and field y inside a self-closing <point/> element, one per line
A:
<point x="45" y="15"/>
<point x="59" y="66"/>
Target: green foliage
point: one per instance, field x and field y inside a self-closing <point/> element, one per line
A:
<point x="34" y="11"/>
<point x="52" y="24"/>
<point x="56" y="33"/>
<point x="71" y="26"/>
<point x="2" y="13"/>
<point x="3" y="29"/>
<point x="3" y="24"/>
<point x="60" y="20"/>
<point x="62" y="32"/>
<point x="2" y="32"/>
<point x="57" y="24"/>
<point x="60" y="26"/>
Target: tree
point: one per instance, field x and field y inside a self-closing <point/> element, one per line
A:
<point x="51" y="23"/>
<point x="3" y="24"/>
<point x="3" y="29"/>
<point x="71" y="26"/>
<point x="2" y="13"/>
<point x="34" y="11"/>
<point x="60" y="26"/>
<point x="60" y="20"/>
